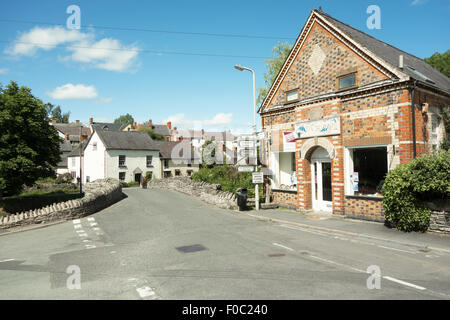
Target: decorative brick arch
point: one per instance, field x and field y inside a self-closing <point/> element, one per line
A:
<point x="311" y="144"/>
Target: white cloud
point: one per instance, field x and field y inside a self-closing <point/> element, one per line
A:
<point x="3" y="70"/>
<point x="70" y="91"/>
<point x="179" y="120"/>
<point x="107" y="53"/>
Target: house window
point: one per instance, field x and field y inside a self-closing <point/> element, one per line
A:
<point x="177" y="172"/>
<point x="189" y="173"/>
<point x="167" y="174"/>
<point x="122" y="161"/>
<point x="94" y="146"/>
<point x="88" y="178"/>
<point x="122" y="176"/>
<point x="367" y="168"/>
<point x="74" y="174"/>
<point x="434" y="132"/>
<point x="292" y="95"/>
<point x="166" y="164"/>
<point x="346" y="81"/>
<point x="149" y="161"/>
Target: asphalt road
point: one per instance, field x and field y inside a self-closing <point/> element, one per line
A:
<point x="129" y="251"/>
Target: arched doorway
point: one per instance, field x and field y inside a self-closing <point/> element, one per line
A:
<point x="321" y="180"/>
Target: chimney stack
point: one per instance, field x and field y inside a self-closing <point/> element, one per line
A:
<point x="400" y="61"/>
<point x="203" y="132"/>
<point x="77" y="121"/>
<point x="66" y="136"/>
<point x="134" y="125"/>
<point x="169" y="125"/>
<point x="150" y="124"/>
<point x="91" y="121"/>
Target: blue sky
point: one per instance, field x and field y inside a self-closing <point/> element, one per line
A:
<point x="192" y="91"/>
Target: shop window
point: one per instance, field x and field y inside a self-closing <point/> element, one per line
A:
<point x="283" y="168"/>
<point x="367" y="170"/>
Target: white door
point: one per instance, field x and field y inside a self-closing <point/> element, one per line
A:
<point x="321" y="182"/>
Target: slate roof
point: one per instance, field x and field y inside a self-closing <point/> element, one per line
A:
<point x="166" y="149"/>
<point x="76" y="151"/>
<point x="414" y="67"/>
<point x="65" y="147"/>
<point x="127" y="140"/>
<point x="161" y="129"/>
<point x="72" y="129"/>
<point x="208" y="135"/>
<point x="106" y="126"/>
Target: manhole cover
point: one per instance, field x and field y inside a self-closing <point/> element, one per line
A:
<point x="273" y="255"/>
<point x="191" y="248"/>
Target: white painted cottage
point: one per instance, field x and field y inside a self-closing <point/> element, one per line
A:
<point x="123" y="155"/>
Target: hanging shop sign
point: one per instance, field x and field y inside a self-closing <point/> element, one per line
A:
<point x="318" y="128"/>
<point x="289" y="141"/>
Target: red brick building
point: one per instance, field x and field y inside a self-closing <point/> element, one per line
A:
<point x="339" y="116"/>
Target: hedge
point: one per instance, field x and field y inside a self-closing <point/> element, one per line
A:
<point x="407" y="187"/>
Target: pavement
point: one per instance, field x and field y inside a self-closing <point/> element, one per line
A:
<point x="160" y="244"/>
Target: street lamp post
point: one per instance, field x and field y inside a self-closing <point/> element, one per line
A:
<point x="241" y="68"/>
<point x="81" y="147"/>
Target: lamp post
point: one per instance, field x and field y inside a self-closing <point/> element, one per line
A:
<point x="81" y="148"/>
<point x="241" y="68"/>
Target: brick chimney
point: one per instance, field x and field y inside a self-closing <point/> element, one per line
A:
<point x="150" y="123"/>
<point x="169" y="125"/>
<point x="91" y="121"/>
<point x="83" y="137"/>
<point x="66" y="136"/>
<point x="203" y="132"/>
<point x="134" y="125"/>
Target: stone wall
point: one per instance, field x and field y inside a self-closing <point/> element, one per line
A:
<point x="440" y="216"/>
<point x="98" y="195"/>
<point x="207" y="192"/>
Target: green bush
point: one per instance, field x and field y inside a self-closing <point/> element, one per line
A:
<point x="228" y="177"/>
<point x="409" y="185"/>
<point x="129" y="184"/>
<point x="64" y="178"/>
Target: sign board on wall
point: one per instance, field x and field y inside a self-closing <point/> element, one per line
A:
<point x="289" y="141"/>
<point x="317" y="128"/>
<point x="246" y="168"/>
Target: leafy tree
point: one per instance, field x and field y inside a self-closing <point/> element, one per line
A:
<point x="56" y="114"/>
<point x="125" y="119"/>
<point x="152" y="134"/>
<point x="445" y="145"/>
<point x="280" y="52"/>
<point x="440" y="62"/>
<point x="29" y="145"/>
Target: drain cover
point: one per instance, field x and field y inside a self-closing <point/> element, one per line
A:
<point x="191" y="248"/>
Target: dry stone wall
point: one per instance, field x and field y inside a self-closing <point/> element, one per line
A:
<point x="98" y="195"/>
<point x="210" y="193"/>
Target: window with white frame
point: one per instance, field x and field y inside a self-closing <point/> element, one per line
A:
<point x="366" y="170"/>
<point x="149" y="161"/>
<point x="292" y="95"/>
<point x="122" y="176"/>
<point x="122" y="161"/>
<point x="434" y="132"/>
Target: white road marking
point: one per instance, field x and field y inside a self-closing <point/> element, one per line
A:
<point x="91" y="219"/>
<point x="83" y="234"/>
<point x="337" y="263"/>
<point x="90" y="246"/>
<point x="86" y="240"/>
<point x="280" y="245"/>
<point x="93" y="224"/>
<point x="397" y="249"/>
<point x="80" y="231"/>
<point x="145" y="292"/>
<point x="76" y="221"/>
<point x="77" y="226"/>
<point x="7" y="260"/>
<point x="96" y="229"/>
<point x="404" y="283"/>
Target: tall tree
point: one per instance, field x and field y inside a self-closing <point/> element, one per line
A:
<point x="440" y="62"/>
<point x="152" y="134"/>
<point x="29" y="145"/>
<point x="56" y="114"/>
<point x="125" y="119"/>
<point x="280" y="53"/>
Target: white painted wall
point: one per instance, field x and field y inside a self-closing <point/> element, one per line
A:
<point x="133" y="159"/>
<point x="73" y="164"/>
<point x="94" y="160"/>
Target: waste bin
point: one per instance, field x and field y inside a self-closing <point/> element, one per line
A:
<point x="242" y="198"/>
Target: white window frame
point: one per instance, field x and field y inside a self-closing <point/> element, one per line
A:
<point x="349" y="168"/>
